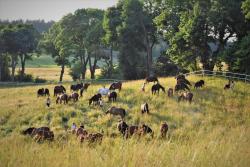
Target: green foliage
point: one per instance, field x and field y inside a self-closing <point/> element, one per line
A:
<point x="238" y="56"/>
<point x="116" y="73"/>
<point x="40" y="80"/>
<point x="75" y="71"/>
<point x="165" y="67"/>
<point x="23" y="77"/>
<point x="192" y="27"/>
<point x="246" y="8"/>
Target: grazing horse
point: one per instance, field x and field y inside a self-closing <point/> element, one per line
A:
<point x="182" y="83"/>
<point x="126" y="130"/>
<point x="28" y="131"/>
<point x="94" y="137"/>
<point x="144" y="108"/>
<point x="170" y="92"/>
<point x="164" y="129"/>
<point x="59" y="90"/>
<point x="188" y="96"/>
<point x="112" y="96"/>
<point x="199" y="84"/>
<point x="156" y="88"/>
<point x="104" y="91"/>
<point x="151" y="79"/>
<point x="62" y="98"/>
<point x="84" y="88"/>
<point x="144" y="129"/>
<point x="95" y="99"/>
<point x="76" y="87"/>
<point x="43" y="92"/>
<point x="230" y="85"/>
<point x="116" y="85"/>
<point x="42" y="135"/>
<point x="182" y="79"/>
<point x="40" y="92"/>
<point x="181" y="86"/>
<point x="74" y="96"/>
<point x="117" y="111"/>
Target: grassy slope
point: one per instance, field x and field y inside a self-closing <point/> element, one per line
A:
<point x="213" y="131"/>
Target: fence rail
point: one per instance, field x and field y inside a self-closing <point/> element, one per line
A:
<point x="230" y="75"/>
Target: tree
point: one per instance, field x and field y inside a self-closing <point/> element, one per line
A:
<point x="112" y="19"/>
<point x="246" y="8"/>
<point x="131" y="40"/>
<point x="54" y="42"/>
<point x="27" y="41"/>
<point x="94" y="45"/>
<point x="200" y="31"/>
<point x="4" y="58"/>
<point x="10" y="38"/>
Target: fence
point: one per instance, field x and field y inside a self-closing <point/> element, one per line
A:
<point x="229" y="75"/>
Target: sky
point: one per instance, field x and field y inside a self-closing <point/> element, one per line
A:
<point x="46" y="9"/>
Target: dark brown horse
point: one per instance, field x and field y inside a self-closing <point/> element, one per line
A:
<point x="187" y="96"/>
<point x="156" y="88"/>
<point x="151" y="79"/>
<point x="59" y="90"/>
<point x="116" y="85"/>
<point x="76" y="87"/>
<point x="84" y="88"/>
<point x="164" y="129"/>
<point x="95" y="99"/>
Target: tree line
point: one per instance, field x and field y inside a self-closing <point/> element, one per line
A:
<point x="200" y="34"/>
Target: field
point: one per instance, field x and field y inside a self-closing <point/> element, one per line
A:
<point x="212" y="131"/>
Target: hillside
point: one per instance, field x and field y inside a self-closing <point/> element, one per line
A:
<point x="212" y="131"/>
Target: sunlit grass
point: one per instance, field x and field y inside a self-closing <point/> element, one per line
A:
<point x="212" y="131"/>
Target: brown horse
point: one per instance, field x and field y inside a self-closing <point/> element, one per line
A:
<point x="151" y="79"/>
<point x="187" y="96"/>
<point x="116" y="85"/>
<point x="164" y="129"/>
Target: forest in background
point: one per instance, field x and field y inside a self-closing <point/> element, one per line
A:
<point x="196" y="34"/>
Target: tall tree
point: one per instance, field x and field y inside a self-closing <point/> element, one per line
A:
<point x="28" y="40"/>
<point x="54" y="42"/>
<point x="94" y="45"/>
<point x="75" y="28"/>
<point x="112" y="19"/>
<point x="131" y="40"/>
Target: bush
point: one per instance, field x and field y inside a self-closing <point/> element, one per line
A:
<point x="116" y="73"/>
<point x="165" y="67"/>
<point x="75" y="71"/>
<point x="40" y="80"/>
<point x="23" y="78"/>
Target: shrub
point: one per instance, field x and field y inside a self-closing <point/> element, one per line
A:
<point x="40" y="80"/>
<point x="23" y="78"/>
<point x="75" y="71"/>
<point x="116" y="73"/>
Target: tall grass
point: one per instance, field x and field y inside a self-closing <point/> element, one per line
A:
<point x="212" y="131"/>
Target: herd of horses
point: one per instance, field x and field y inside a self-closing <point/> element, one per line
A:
<point x="182" y="89"/>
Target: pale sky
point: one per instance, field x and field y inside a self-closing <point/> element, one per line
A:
<point x="46" y="9"/>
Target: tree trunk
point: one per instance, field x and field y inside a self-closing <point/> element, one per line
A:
<point x="92" y="67"/>
<point x="62" y="72"/>
<point x="13" y="67"/>
<point x="1" y="66"/>
<point x="23" y="60"/>
<point x="111" y="61"/>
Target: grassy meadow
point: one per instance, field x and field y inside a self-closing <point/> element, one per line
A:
<point x="212" y="131"/>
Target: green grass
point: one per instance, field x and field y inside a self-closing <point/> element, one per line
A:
<point x="212" y="131"/>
